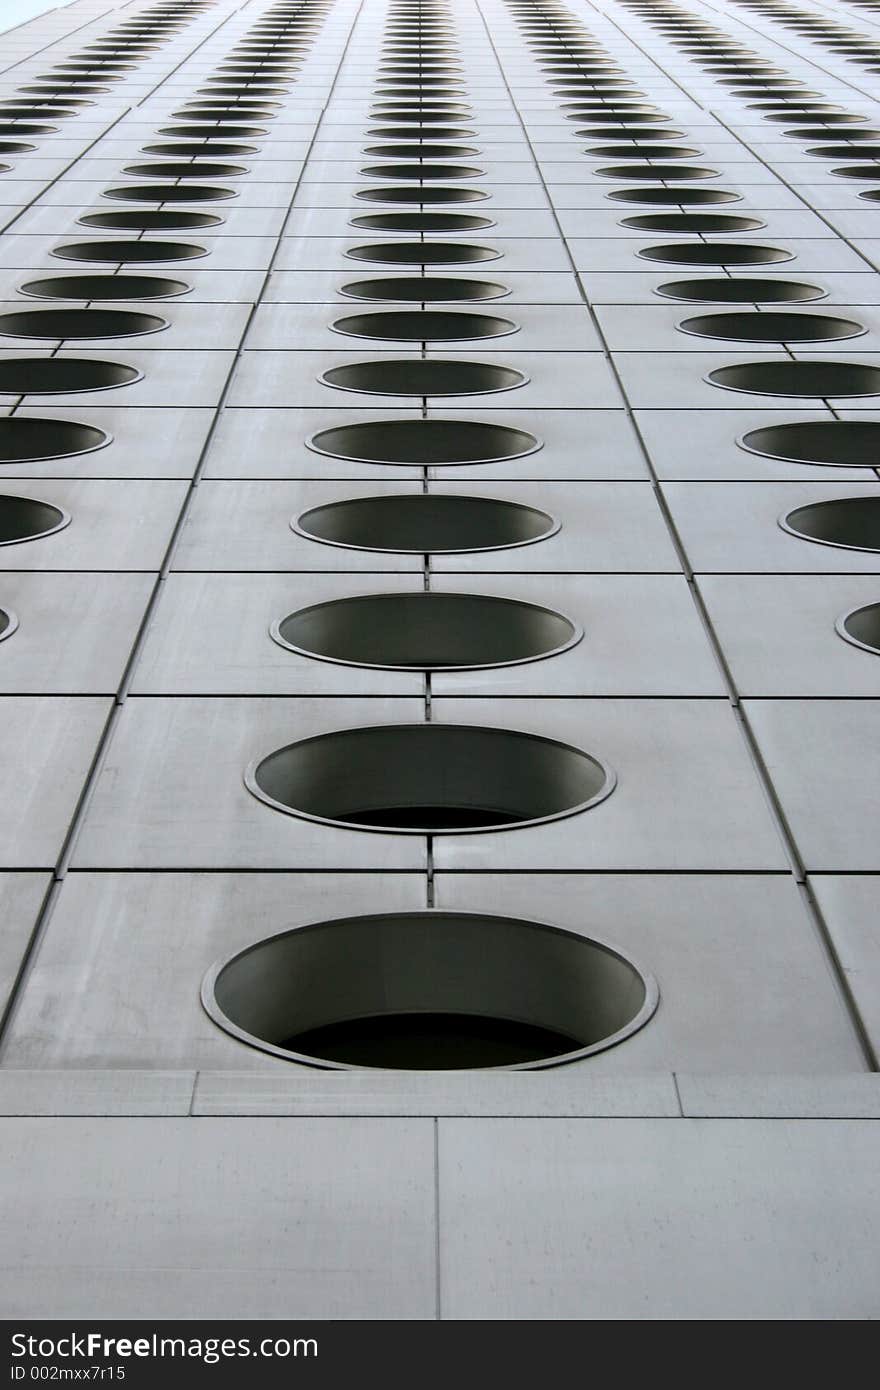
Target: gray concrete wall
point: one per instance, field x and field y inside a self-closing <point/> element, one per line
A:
<point x="693" y="1169"/>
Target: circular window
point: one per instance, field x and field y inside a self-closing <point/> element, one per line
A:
<point x="426" y="523"/>
<point x="204" y="169"/>
<point x="656" y="173"/>
<point x="49" y="376"/>
<point x="813" y="115"/>
<point x="805" y="378"/>
<point x="26" y="128"/>
<point x="423" y="325"/>
<point x="421" y="193"/>
<point x="169" y="193"/>
<point x="715" y="253"/>
<point x="771" y="327"/>
<point x="199" y="148"/>
<point x="721" y="290"/>
<point x="861" y="627"/>
<point x="419" y="376"/>
<point x="78" y="323"/>
<point x="104" y="287"/>
<point x="149" y="221"/>
<point x="403" y="131"/>
<point x="600" y="114"/>
<point x="213" y="132"/>
<point x="849" y="523"/>
<point x="422" y="222"/>
<point x="27" y="440"/>
<point x="119" y="252"/>
<point x="423" y="253"/>
<point x="430" y="779"/>
<point x="430" y="990"/>
<point x="633" y="131"/>
<point x="672" y="197"/>
<point x="704" y="223"/>
<point x="427" y="631"/>
<point x="623" y="149"/>
<point x="836" y="443"/>
<point x="424" y="289"/>
<point x="424" y="443"/>
<point x="422" y="150"/>
<point x="26" y="519"/>
<point x="8" y="623"/>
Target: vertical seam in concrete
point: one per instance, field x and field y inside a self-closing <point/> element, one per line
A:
<point x="438" y="1266"/>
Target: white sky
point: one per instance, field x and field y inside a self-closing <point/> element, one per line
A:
<point x="13" y="12"/>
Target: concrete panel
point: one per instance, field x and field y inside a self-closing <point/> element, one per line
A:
<point x="47" y="747"/>
<point x="592" y="1219"/>
<point x="778" y="633"/>
<point x="733" y="528"/>
<point x="330" y="1219"/>
<point x="171" y="795"/>
<point x="605" y="527"/>
<point x="169" y="379"/>
<point x="563" y="1092"/>
<point x="116" y="982"/>
<point x="75" y="631"/>
<point x="21" y="896"/>
<point x="687" y="796"/>
<point x="210" y="636"/>
<point x="114" y="525"/>
<point x="849" y="905"/>
<point x="722" y="948"/>
<point x="854" y="1097"/>
<point x="261" y="537"/>
<point x="130" y="451"/>
<point x="642" y="636"/>
<point x="103" y="1092"/>
<point x="821" y="757"/>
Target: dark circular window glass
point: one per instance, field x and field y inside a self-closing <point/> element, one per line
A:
<point x="729" y="290"/>
<point x="78" y="323"/>
<point x="426" y="990"/>
<point x="426" y="630"/>
<point x="423" y="376"/>
<point x="104" y="287"/>
<point x="27" y="519"/>
<point x="430" y="778"/>
<point x="850" y="523"/>
<point x="426" y="523"/>
<point x="25" y="439"/>
<point x="835" y="443"/>
<point x="424" y="442"/>
<point x="771" y="327"/>
<point x="813" y="378"/>
<point x="48" y="376"/>
<point x="715" y="253"/>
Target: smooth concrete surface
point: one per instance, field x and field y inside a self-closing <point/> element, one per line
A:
<point x="524" y="248"/>
<point x="729" y="1220"/>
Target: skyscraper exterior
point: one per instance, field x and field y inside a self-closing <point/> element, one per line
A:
<point x="440" y="660"/>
